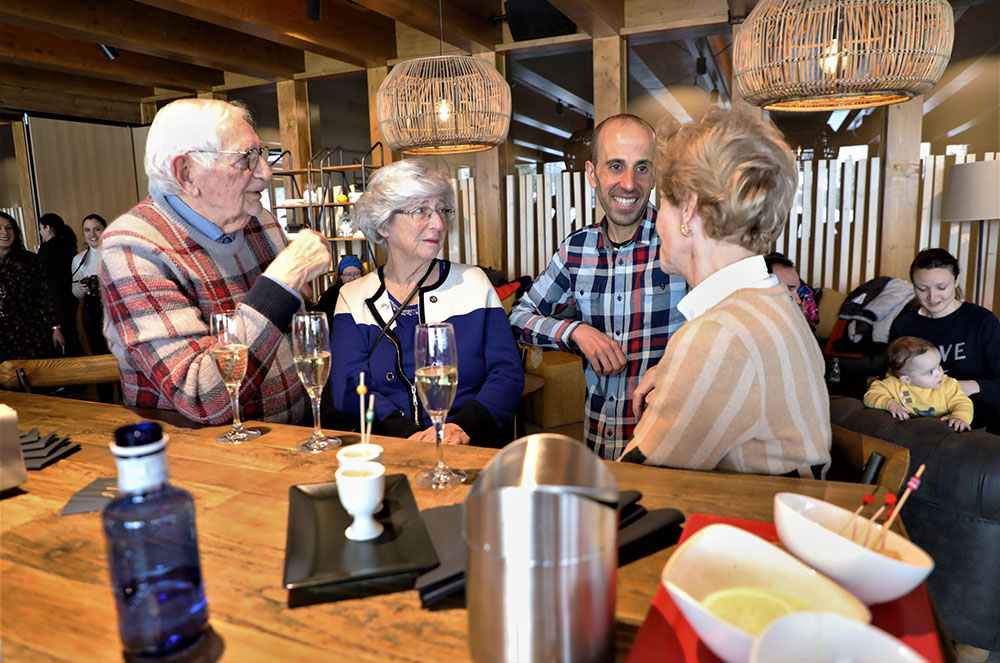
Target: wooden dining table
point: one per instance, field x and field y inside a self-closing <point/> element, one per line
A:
<point x="55" y="596"/>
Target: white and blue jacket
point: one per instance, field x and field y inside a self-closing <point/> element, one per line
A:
<point x="490" y="376"/>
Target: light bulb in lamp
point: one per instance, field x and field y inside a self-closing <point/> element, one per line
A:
<point x="832" y="56"/>
<point x="443" y="110"/>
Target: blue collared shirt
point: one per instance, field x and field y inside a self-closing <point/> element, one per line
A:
<point x="200" y="223"/>
<point x="212" y="231"/>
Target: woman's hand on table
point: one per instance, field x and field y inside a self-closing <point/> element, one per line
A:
<point x="453" y="434"/>
<point x="969" y="387"/>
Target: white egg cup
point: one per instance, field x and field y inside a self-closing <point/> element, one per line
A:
<point x="359" y="453"/>
<point x="361" y="487"/>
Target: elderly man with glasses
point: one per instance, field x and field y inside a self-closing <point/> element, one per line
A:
<point x="202" y="242"/>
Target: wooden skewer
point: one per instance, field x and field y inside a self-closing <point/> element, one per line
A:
<point x="362" y="389"/>
<point x="369" y="418"/>
<point x="865" y="501"/>
<point x="871" y="523"/>
<point x="911" y="486"/>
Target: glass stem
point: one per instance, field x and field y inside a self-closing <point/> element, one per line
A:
<point x="314" y="396"/>
<point x="439" y="439"/>
<point x="234" y="396"/>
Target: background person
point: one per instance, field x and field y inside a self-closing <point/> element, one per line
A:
<point x="802" y="294"/>
<point x="406" y="210"/>
<point x="966" y="334"/>
<point x="916" y="384"/>
<point x="29" y="328"/>
<point x="348" y="269"/>
<point x="740" y="386"/>
<point x="604" y="295"/>
<point x="86" y="286"/>
<point x="203" y="242"/>
<point x="56" y="255"/>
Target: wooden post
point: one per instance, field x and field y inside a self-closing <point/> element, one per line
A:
<point x="491" y="167"/>
<point x="610" y="77"/>
<point x="901" y="184"/>
<point x="31" y="239"/>
<point x="375" y="77"/>
<point x="293" y="120"/>
<point x="147" y="112"/>
<point x="212" y="94"/>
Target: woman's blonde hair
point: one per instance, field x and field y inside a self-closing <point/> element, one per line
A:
<point x="739" y="168"/>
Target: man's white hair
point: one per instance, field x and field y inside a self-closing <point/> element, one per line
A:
<point x="183" y="126"/>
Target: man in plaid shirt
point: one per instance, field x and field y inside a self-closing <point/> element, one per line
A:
<point x="203" y="242"/>
<point x="603" y="295"/>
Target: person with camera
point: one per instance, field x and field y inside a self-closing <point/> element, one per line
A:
<point x="86" y="286"/>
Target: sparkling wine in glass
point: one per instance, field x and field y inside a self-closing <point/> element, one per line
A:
<point x="230" y="356"/>
<point x="436" y="367"/>
<point x="311" y="350"/>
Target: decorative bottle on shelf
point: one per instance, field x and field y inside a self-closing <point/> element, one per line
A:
<point x="153" y="549"/>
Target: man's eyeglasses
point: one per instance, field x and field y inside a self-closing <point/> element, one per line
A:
<point x="423" y="213"/>
<point x="251" y="156"/>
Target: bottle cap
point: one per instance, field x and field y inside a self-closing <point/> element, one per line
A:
<point x="140" y="434"/>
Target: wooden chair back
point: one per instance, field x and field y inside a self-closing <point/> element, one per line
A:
<point x="58" y="372"/>
<point x="852" y="451"/>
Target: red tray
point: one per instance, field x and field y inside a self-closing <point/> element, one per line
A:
<point x="665" y="636"/>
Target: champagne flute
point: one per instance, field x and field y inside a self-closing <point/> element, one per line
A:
<point x="436" y="367"/>
<point x="311" y="350"/>
<point x="230" y="356"/>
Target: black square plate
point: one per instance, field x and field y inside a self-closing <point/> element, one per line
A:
<point x="317" y="552"/>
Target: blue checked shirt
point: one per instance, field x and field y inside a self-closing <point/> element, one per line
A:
<point x="620" y="291"/>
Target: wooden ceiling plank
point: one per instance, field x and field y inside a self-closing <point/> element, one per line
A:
<point x="521" y="74"/>
<point x="73" y="105"/>
<point x="345" y="31"/>
<point x="598" y="18"/>
<point x="126" y="25"/>
<point x="48" y="51"/>
<point x="28" y="77"/>
<point x="468" y="26"/>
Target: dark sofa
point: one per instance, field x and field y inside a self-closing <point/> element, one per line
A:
<point x="954" y="515"/>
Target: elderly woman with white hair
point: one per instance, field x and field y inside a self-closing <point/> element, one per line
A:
<point x="740" y="386"/>
<point x="406" y="210"/>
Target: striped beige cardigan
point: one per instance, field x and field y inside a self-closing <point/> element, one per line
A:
<point x="740" y="388"/>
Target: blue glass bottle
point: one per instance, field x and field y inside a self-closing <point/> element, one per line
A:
<point x="153" y="549"/>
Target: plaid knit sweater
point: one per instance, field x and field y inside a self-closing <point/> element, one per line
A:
<point x="161" y="279"/>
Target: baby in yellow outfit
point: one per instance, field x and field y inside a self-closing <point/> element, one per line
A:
<point x="916" y="384"/>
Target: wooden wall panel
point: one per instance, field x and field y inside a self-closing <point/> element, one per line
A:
<point x="105" y="183"/>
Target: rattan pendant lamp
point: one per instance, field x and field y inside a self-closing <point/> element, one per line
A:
<point x="448" y="104"/>
<point x="813" y="55"/>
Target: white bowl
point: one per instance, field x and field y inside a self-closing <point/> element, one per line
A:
<point x="819" y="637"/>
<point x="720" y="557"/>
<point x="359" y="453"/>
<point x="809" y="528"/>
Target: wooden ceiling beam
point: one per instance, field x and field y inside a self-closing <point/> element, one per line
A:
<point x="34" y="100"/>
<point x="345" y="31"/>
<point x="127" y="25"/>
<point x="598" y="18"/>
<point x="467" y="25"/>
<point x="31" y="77"/>
<point x="48" y="51"/>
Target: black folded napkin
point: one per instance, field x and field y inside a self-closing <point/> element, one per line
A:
<point x="640" y="533"/>
<point x="42" y="450"/>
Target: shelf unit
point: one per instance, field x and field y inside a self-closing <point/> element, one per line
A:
<point x="324" y="214"/>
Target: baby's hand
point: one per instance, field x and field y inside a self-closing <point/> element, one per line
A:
<point x="898" y="411"/>
<point x="956" y="423"/>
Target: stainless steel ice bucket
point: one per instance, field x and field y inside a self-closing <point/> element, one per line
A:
<point x="541" y="530"/>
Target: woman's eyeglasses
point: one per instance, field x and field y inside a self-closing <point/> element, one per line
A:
<point x="423" y="213"/>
